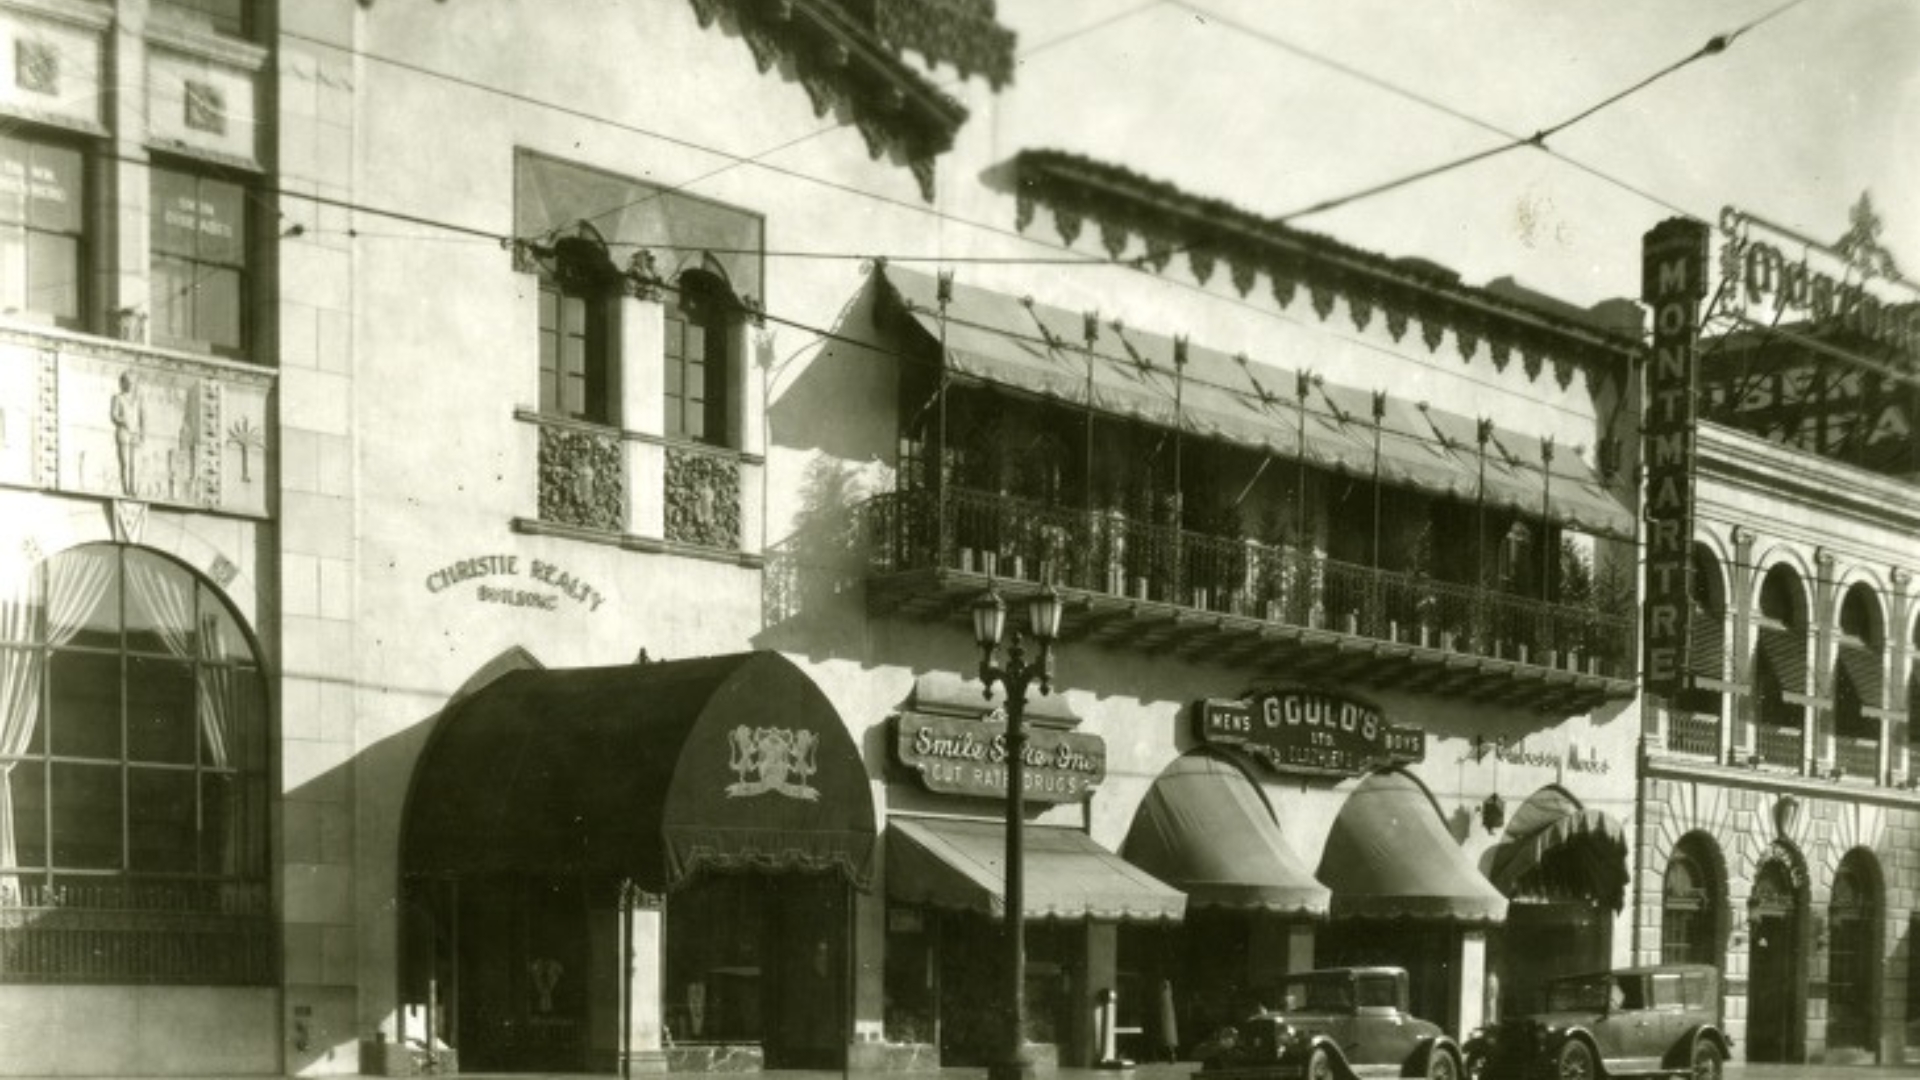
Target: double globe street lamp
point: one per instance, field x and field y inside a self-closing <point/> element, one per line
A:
<point x="1015" y="676"/>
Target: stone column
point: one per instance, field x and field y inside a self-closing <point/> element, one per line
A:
<point x="1745" y="581"/>
<point x="642" y="960"/>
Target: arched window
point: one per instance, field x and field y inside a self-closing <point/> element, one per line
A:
<point x="699" y="324"/>
<point x="1689" y="911"/>
<point x="1852" y="952"/>
<point x="133" y="767"/>
<point x="578" y="287"/>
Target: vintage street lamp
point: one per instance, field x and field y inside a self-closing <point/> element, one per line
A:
<point x="989" y="621"/>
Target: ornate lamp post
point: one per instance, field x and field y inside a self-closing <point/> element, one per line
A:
<point x="989" y="620"/>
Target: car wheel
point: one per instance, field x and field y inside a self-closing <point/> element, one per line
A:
<point x="1706" y="1061"/>
<point x="1574" y="1062"/>
<point x="1441" y="1066"/>
<point x="1319" y="1065"/>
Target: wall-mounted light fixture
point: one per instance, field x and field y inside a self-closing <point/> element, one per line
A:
<point x="1493" y="812"/>
<point x="1786" y="815"/>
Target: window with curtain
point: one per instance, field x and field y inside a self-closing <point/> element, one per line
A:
<point x="133" y="773"/>
<point x="43" y="243"/>
<point x="200" y="277"/>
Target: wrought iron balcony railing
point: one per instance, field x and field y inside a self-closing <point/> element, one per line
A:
<point x="1110" y="555"/>
<point x="1777" y="745"/>
<point x="1693" y="733"/>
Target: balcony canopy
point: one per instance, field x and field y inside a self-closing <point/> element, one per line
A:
<point x="644" y="771"/>
<point x="1554" y="847"/>
<point x="1205" y="829"/>
<point x="1021" y="345"/>
<point x="1390" y="856"/>
<point x="961" y="865"/>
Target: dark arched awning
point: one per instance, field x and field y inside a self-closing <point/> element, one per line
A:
<point x="645" y="771"/>
<point x="1205" y="829"/>
<point x="1555" y="849"/>
<point x="1390" y="856"/>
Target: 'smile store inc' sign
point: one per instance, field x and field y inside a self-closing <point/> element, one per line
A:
<point x="1673" y="281"/>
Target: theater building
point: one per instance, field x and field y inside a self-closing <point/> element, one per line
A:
<point x="482" y="596"/>
<point x="1778" y="810"/>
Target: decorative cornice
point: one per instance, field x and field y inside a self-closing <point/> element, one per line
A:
<point x="958" y="32"/>
<point x="843" y="62"/>
<point x="1168" y="220"/>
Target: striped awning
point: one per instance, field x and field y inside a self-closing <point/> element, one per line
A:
<point x="1205" y="829"/>
<point x="961" y="865"/>
<point x="1861" y="665"/>
<point x="1785" y="651"/>
<point x="1026" y="346"/>
<point x="1390" y="856"/>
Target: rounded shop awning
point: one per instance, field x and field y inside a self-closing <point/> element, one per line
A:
<point x="1205" y="829"/>
<point x="961" y="865"/>
<point x="645" y="771"/>
<point x="1390" y="856"/>
<point x="1555" y="849"/>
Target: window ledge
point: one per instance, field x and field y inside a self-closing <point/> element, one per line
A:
<point x="632" y="542"/>
<point x="528" y="415"/>
<point x="182" y="33"/>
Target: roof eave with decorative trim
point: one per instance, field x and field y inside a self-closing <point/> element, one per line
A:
<point x="843" y="64"/>
<point x="1168" y="220"/>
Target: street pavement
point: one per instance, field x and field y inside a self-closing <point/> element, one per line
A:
<point x="1185" y="1071"/>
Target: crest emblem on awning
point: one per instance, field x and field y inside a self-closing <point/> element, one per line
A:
<point x="770" y="759"/>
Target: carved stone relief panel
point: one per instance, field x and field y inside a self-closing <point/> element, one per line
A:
<point x="703" y="500"/>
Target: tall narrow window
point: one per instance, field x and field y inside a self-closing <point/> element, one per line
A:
<point x="200" y="279"/>
<point x="42" y="226"/>
<point x="697" y="357"/>
<point x="575" y="355"/>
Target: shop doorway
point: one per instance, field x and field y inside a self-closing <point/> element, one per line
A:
<point x="1775" y="1014"/>
<point x="1853" y="949"/>
<point x="521" y="1000"/>
<point x="760" y="960"/>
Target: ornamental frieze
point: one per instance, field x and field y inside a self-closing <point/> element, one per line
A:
<point x="703" y="500"/>
<point x="128" y="423"/>
<point x="581" y="480"/>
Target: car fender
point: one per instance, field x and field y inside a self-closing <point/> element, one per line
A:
<point x="1428" y="1046"/>
<point x="1325" y="1042"/>
<point x="1580" y="1033"/>
<point x="1681" y="1055"/>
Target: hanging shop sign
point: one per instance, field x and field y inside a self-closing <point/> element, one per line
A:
<point x="1673" y="282"/>
<point x="1308" y="731"/>
<point x="511" y="581"/>
<point x="968" y="756"/>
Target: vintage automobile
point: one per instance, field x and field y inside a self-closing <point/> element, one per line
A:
<point x="1662" y="1020"/>
<point x="1322" y="1025"/>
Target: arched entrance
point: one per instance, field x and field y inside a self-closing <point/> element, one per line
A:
<point x="1776" y="1014"/>
<point x="600" y="861"/>
<point x="1853" y="949"/>
<point x="1565" y="868"/>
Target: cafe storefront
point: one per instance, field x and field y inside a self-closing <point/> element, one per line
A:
<point x="1327" y="772"/>
<point x="945" y="871"/>
<point x="647" y="865"/>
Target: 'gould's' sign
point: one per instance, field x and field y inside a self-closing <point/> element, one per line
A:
<point x="1308" y="731"/>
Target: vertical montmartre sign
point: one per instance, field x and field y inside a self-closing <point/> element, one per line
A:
<point x="1673" y="282"/>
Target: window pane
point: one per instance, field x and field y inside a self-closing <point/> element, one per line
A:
<point x="573" y="394"/>
<point x="217" y="300"/>
<point x="696" y="347"/>
<point x="230" y="718"/>
<point x="549" y="308"/>
<point x="223" y="222"/>
<point x="53" y="276"/>
<point x="160" y="598"/>
<point x="220" y="631"/>
<point x="696" y="424"/>
<point x="13" y="180"/>
<point x="162" y="830"/>
<point x="29" y="783"/>
<point x="573" y="356"/>
<point x="696" y="382"/>
<point x="13" y="269"/>
<point x="675" y="329"/>
<point x="573" y="315"/>
<point x="161" y="713"/>
<point x="176" y="214"/>
<point x="96" y="626"/>
<point x="84" y="705"/>
<point x="172" y="299"/>
<point x="55" y="191"/>
<point x="676" y="372"/>
<point x="86" y="816"/>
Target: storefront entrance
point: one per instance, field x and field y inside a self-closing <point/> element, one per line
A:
<point x="646" y="866"/>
